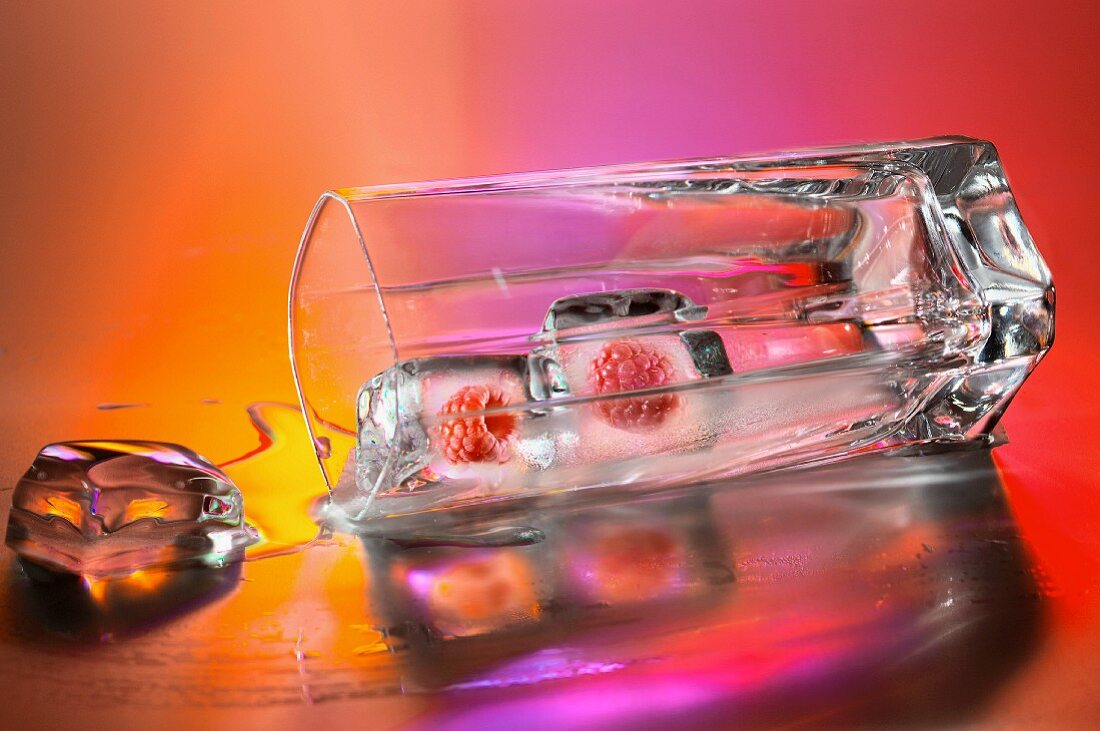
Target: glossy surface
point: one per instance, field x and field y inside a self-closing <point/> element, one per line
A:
<point x="884" y="589"/>
<point x="158" y="167"/>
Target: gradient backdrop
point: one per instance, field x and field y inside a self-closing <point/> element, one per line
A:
<point x="160" y="159"/>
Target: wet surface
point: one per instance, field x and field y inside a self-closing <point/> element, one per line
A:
<point x="881" y="590"/>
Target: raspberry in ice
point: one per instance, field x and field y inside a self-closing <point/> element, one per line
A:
<point x="631" y="365"/>
<point x="476" y="437"/>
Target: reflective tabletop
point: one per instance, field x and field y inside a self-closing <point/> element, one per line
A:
<point x="881" y="591"/>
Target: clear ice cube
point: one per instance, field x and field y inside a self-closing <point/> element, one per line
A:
<point x="106" y="508"/>
<point x="611" y="345"/>
<point x="751" y="417"/>
<point x="613" y="378"/>
<point x="600" y="308"/>
<point x="457" y="418"/>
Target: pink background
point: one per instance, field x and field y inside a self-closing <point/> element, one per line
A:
<point x="160" y="159"/>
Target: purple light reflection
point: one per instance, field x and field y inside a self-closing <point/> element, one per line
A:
<point x="65" y="453"/>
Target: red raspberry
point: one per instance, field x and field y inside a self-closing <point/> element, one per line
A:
<point x="476" y="438"/>
<point x="630" y="365"/>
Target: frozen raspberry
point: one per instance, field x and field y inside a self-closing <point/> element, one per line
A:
<point x="476" y="438"/>
<point x="630" y="365"/>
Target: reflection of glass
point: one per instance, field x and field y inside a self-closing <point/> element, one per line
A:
<point x="605" y="565"/>
<point x="472" y="592"/>
<point x="638" y="554"/>
<point x="659" y="324"/>
<point x="836" y="592"/>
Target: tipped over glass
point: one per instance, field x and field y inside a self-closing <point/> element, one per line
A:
<point x="646" y="326"/>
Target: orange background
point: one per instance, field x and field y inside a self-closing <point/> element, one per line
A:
<point x="159" y="161"/>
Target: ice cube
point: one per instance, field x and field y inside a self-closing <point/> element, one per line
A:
<point x="457" y="417"/>
<point x="611" y="344"/>
<point x="105" y="508"/>
<point x="614" y="378"/>
<point x="754" y="348"/>
<point x="653" y="318"/>
<point x="598" y="308"/>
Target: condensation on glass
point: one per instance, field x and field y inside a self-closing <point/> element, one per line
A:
<point x="651" y="325"/>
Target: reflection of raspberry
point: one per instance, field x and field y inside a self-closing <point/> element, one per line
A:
<point x="482" y="594"/>
<point x="476" y="438"/>
<point x="629" y="365"/>
<point x="635" y="563"/>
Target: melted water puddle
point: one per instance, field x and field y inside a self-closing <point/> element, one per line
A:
<point x="280" y="480"/>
